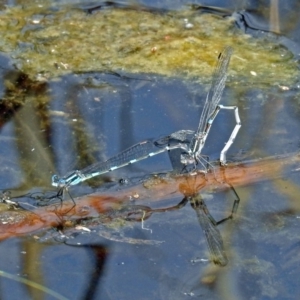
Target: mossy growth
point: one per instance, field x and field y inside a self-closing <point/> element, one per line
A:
<point x="45" y="42"/>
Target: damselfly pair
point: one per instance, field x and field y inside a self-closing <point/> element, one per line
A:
<point x="189" y="143"/>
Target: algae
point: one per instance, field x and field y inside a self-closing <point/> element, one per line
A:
<point x="46" y="42"/>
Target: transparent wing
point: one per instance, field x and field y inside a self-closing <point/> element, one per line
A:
<point x="217" y="86"/>
<point x="210" y="230"/>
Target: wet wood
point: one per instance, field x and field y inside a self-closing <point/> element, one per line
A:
<point x="108" y="203"/>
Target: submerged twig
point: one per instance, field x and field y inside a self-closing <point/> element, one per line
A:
<point x="19" y="222"/>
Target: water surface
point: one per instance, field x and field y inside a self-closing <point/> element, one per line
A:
<point x="72" y="119"/>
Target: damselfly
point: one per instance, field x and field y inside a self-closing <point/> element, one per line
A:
<point x="210" y="110"/>
<point x="189" y="142"/>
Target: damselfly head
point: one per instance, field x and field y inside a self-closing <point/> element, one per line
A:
<point x="182" y="135"/>
<point x="57" y="182"/>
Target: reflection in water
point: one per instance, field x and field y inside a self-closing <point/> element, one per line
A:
<point x="212" y="234"/>
<point x="99" y="254"/>
<point x="160" y="189"/>
<point x="278" y="17"/>
<point x="67" y="124"/>
<point x="32" y="134"/>
<point x="208" y="225"/>
<point x="31" y="129"/>
<point x="31" y="285"/>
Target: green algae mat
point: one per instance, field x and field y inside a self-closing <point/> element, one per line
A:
<point x="46" y="42"/>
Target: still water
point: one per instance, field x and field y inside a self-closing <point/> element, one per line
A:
<point x="55" y="120"/>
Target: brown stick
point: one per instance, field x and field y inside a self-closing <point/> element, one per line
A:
<point x="19" y="222"/>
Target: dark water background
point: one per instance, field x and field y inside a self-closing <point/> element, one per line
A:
<point x="94" y="116"/>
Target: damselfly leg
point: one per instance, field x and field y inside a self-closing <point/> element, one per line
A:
<point x="233" y="134"/>
<point x="61" y="196"/>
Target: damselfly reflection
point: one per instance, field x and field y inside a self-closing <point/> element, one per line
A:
<point x="207" y="222"/>
<point x="209" y="227"/>
<point x="189" y="142"/>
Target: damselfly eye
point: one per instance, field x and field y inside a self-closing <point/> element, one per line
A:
<point x="55" y="180"/>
